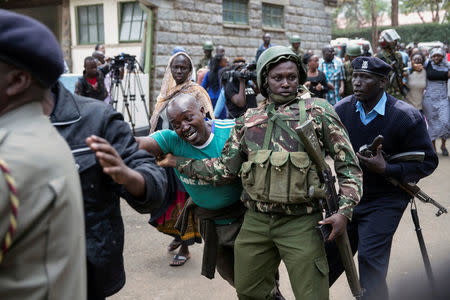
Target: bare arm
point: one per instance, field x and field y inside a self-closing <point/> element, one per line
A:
<point x="150" y="145"/>
<point x="341" y="87"/>
<point x="239" y="98"/>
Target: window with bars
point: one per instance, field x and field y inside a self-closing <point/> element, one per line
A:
<point x="235" y="11"/>
<point x="272" y="15"/>
<point x="132" y="22"/>
<point x="90" y="24"/>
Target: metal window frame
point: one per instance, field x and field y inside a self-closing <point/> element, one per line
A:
<point x="234" y="11"/>
<point x="97" y="24"/>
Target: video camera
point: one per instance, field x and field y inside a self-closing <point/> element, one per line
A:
<point x="247" y="72"/>
<point x="120" y="60"/>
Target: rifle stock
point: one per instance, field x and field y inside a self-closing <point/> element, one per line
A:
<point x="310" y="141"/>
<point x="411" y="188"/>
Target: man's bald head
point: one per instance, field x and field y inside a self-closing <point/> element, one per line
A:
<point x="187" y="117"/>
<point x="183" y="102"/>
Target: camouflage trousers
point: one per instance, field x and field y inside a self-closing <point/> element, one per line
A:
<point x="265" y="240"/>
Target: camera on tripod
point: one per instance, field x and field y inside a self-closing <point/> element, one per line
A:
<point x="119" y="61"/>
<point x="125" y="84"/>
<point x="245" y="71"/>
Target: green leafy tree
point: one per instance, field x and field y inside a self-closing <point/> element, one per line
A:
<point x="421" y="6"/>
<point x="359" y="12"/>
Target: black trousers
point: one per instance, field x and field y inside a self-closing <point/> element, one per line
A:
<point x="370" y="232"/>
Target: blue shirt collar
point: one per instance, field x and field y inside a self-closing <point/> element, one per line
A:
<point x="379" y="109"/>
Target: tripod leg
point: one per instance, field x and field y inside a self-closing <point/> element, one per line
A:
<point x="423" y="249"/>
<point x="141" y="92"/>
<point x="127" y="108"/>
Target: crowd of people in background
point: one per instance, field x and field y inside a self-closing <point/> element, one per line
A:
<point x="419" y="77"/>
<point x="190" y="120"/>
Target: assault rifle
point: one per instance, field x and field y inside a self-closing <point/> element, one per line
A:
<point x="397" y="75"/>
<point x="411" y="188"/>
<point x="331" y="205"/>
<point x="415" y="192"/>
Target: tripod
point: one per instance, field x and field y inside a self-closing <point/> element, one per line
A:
<point x="129" y="91"/>
<point x="116" y="89"/>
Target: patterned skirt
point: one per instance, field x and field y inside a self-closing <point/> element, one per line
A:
<point x="166" y="222"/>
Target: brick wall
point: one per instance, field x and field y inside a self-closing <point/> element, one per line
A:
<point x="188" y="23"/>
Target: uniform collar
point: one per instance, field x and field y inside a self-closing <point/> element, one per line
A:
<point x="23" y="112"/>
<point x="380" y="108"/>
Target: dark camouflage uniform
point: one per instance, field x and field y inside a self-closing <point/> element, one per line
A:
<point x="396" y="62"/>
<point x="248" y="135"/>
<point x="348" y="87"/>
<point x="300" y="52"/>
<point x="203" y="63"/>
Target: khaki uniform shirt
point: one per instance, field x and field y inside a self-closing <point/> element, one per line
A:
<point x="47" y="258"/>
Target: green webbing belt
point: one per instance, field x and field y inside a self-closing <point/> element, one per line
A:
<point x="280" y="121"/>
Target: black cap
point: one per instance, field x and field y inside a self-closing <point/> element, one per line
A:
<point x="371" y="65"/>
<point x="31" y="46"/>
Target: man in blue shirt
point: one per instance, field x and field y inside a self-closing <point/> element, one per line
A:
<point x="264" y="46"/>
<point x="334" y="72"/>
<point x="366" y="114"/>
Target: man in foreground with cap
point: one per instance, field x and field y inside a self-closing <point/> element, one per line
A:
<point x="41" y="208"/>
<point x="366" y="114"/>
<point x="264" y="151"/>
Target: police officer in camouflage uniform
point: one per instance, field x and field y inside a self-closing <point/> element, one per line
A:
<point x="295" y="45"/>
<point x="207" y="50"/>
<point x="388" y="42"/>
<point x="353" y="51"/>
<point x="276" y="173"/>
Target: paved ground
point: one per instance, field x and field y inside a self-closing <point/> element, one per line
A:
<point x="150" y="277"/>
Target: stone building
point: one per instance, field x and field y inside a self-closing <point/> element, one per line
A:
<point x="150" y="29"/>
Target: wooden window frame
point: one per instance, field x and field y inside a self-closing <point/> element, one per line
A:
<point x="234" y="11"/>
<point x="100" y="26"/>
<point x="265" y="17"/>
<point x="143" y="19"/>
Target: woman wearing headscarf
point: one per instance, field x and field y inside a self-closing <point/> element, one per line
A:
<point x="176" y="81"/>
<point x="436" y="106"/>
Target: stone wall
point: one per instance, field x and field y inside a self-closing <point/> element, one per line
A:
<point x="188" y="23"/>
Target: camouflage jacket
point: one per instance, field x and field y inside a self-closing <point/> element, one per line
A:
<point x="248" y="135"/>
<point x="348" y="87"/>
<point x="203" y="63"/>
<point x="300" y="52"/>
<point x="396" y="62"/>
